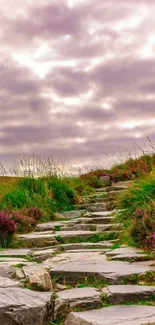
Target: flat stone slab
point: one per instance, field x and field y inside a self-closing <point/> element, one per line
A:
<point x="71" y="257"/>
<point x="7" y="283"/>
<point x="22" y="306"/>
<point x="115" y="315"/>
<point x="126" y="293"/>
<point x="100" y="245"/>
<point x="130" y="257"/>
<point x="97" y="220"/>
<point x="48" y="225"/>
<point x="87" y="298"/>
<point x="38" y="239"/>
<point x="71" y="214"/>
<point x="112" y="272"/>
<point x="102" y="214"/>
<point x="124" y="250"/>
<point x="12" y="260"/>
<point x="14" y="252"/>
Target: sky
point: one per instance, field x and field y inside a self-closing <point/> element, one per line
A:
<point x="77" y="77"/>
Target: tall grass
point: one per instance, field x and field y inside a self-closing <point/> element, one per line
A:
<point x="138" y="212"/>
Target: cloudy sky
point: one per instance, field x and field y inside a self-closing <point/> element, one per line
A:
<point x="77" y="76"/>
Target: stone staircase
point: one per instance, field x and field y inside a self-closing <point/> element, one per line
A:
<point x="75" y="272"/>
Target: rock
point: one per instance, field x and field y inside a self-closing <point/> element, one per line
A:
<point x="19" y="274"/>
<point x="113" y="272"/>
<point x="7" y="271"/>
<point x="126" y="293"/>
<point x="70" y="257"/>
<point x="14" y="252"/>
<point x="87" y="298"/>
<point x="60" y="287"/>
<point x="71" y="214"/>
<point x="131" y="257"/>
<point x="123" y="250"/>
<point x="38" y="239"/>
<point x="121" y="315"/>
<point x="48" y="226"/>
<point x="25" y="307"/>
<point x="38" y="277"/>
<point x="73" y="246"/>
<point x="6" y="283"/>
<point x="105" y="180"/>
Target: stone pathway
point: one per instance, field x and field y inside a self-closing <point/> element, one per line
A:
<point x="75" y="270"/>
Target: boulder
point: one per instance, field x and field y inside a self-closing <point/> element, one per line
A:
<point x="38" y="277"/>
<point x="25" y="307"/>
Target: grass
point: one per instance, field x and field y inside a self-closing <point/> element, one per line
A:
<point x="137" y="215"/>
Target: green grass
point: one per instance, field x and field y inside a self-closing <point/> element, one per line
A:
<point x="138" y="210"/>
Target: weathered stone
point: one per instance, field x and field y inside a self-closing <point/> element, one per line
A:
<point x="101" y="214"/>
<point x="71" y="214"/>
<point x="98" y="220"/>
<point x="121" y="315"/>
<point x="73" y="246"/>
<point x="113" y="272"/>
<point x="6" y="283"/>
<point x="37" y="239"/>
<point x="105" y="180"/>
<point x="14" y="252"/>
<point x="126" y="293"/>
<point x="38" y="277"/>
<point x="93" y="207"/>
<point x="69" y="236"/>
<point x="19" y="274"/>
<point x="87" y="298"/>
<point x="7" y="271"/>
<point x="130" y="257"/>
<point x="25" y="307"/>
<point x="60" y="287"/>
<point x="48" y="226"/>
<point x="70" y="257"/>
<point x="124" y="250"/>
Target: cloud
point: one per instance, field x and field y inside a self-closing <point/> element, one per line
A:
<point x="77" y="77"/>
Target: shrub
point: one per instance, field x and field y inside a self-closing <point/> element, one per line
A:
<point x="7" y="229"/>
<point x="34" y="213"/>
<point x="24" y="223"/>
<point x="138" y="212"/>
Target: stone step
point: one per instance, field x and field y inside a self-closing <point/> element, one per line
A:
<point x="48" y="238"/>
<point x="131" y="257"/>
<point x="75" y="246"/>
<point x="90" y="227"/>
<point x="85" y="298"/>
<point x="93" y="207"/>
<point x="38" y="239"/>
<point x="118" y="294"/>
<point x="112" y="272"/>
<point x="98" y="220"/>
<point x="14" y="252"/>
<point x="23" y="306"/>
<point x="122" y="315"/>
<point x="101" y="214"/>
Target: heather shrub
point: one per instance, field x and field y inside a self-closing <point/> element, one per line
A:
<point x="24" y="223"/>
<point x="7" y="229"/>
<point x="138" y="212"/>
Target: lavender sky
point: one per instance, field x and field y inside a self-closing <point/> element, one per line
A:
<point x="77" y="76"/>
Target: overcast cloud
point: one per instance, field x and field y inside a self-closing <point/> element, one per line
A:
<point x="76" y="76"/>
